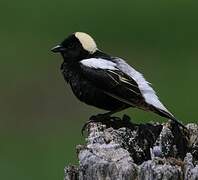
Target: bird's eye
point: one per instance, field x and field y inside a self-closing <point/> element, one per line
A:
<point x="71" y="45"/>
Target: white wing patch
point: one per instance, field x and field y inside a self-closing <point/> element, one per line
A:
<point x="99" y="63"/>
<point x="146" y="90"/>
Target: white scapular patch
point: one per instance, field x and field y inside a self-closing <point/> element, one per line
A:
<point x="99" y="63"/>
<point x="87" y="42"/>
<point x="146" y="90"/>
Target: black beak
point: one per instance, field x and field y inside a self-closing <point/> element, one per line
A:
<point x="58" y="48"/>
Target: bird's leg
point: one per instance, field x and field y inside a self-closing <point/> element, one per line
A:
<point x="103" y="118"/>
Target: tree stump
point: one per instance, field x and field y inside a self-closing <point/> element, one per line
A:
<point x="120" y="150"/>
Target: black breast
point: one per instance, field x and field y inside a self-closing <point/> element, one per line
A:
<point x="88" y="93"/>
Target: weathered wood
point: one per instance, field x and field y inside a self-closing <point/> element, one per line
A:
<point x="142" y="152"/>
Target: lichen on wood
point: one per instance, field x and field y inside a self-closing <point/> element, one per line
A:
<point x="125" y="151"/>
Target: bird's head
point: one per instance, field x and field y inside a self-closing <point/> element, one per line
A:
<point x="76" y="47"/>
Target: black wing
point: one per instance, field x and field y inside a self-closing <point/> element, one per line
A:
<point x="123" y="87"/>
<point x="114" y="83"/>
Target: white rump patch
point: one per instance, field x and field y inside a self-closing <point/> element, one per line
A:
<point x="146" y="90"/>
<point x="87" y="42"/>
<point x="99" y="63"/>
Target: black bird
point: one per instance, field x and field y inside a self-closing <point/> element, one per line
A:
<point x="103" y="81"/>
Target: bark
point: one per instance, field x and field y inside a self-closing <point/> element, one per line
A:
<point x="120" y="150"/>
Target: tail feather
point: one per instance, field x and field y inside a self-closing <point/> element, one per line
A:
<point x="167" y="115"/>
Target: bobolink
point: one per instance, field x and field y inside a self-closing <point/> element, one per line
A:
<point x="103" y="81"/>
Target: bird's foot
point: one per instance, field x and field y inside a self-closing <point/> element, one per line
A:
<point x="100" y="118"/>
<point x="114" y="122"/>
<point x="103" y="118"/>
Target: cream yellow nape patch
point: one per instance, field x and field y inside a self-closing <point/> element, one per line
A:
<point x="87" y="42"/>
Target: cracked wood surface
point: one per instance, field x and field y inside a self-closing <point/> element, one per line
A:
<point x="137" y="152"/>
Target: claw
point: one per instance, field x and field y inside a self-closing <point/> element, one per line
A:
<point x="109" y="121"/>
<point x="84" y="127"/>
<point x="97" y="118"/>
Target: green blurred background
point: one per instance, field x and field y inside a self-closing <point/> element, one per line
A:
<point x="40" y="119"/>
